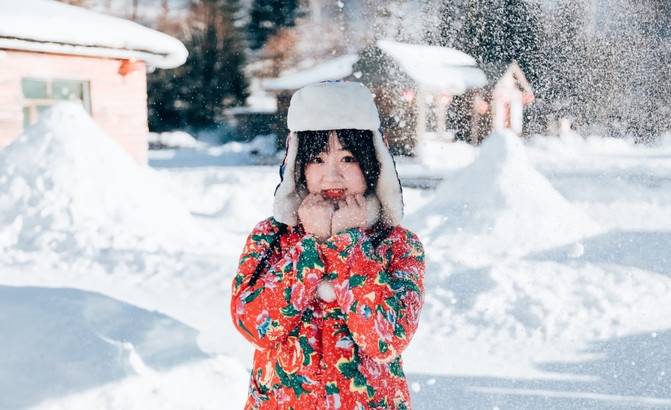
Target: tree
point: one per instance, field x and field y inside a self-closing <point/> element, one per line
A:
<point x="267" y="17"/>
<point x="212" y="79"/>
<point x="450" y="24"/>
<point x="499" y="31"/>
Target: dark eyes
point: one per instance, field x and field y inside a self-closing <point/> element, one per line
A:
<point x="320" y="160"/>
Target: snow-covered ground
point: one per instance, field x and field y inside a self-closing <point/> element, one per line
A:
<point x="548" y="275"/>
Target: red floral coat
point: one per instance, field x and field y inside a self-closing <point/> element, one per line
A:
<point x="313" y="354"/>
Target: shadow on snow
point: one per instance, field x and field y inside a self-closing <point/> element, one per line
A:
<point x="643" y="250"/>
<point x="626" y="373"/>
<point x="58" y="341"/>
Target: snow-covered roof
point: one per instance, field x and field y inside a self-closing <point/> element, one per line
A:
<point x="52" y="27"/>
<point x="334" y="69"/>
<point x="258" y="102"/>
<point x="436" y="68"/>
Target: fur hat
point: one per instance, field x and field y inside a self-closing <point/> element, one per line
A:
<point x="335" y="105"/>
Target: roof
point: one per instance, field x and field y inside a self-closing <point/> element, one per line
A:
<point x="436" y="68"/>
<point x="334" y="69"/>
<point x="52" y="27"/>
<point x="497" y="71"/>
<point x="494" y="71"/>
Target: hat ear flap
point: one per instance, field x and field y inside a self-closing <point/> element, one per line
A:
<point x="388" y="187"/>
<point x="287" y="200"/>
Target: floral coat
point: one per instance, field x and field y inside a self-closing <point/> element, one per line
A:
<point x="313" y="354"/>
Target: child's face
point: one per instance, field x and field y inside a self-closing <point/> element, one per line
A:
<point x="335" y="169"/>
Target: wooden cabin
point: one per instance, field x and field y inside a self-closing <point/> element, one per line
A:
<point x="50" y="51"/>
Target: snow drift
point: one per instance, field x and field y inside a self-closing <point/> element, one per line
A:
<point x="499" y="206"/>
<point x="72" y="191"/>
<point x="78" y="344"/>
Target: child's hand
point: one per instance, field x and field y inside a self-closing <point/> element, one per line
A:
<point x="350" y="214"/>
<point x="315" y="213"/>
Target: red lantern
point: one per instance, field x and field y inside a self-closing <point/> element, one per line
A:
<point x="409" y="95"/>
<point x="527" y="98"/>
<point x="480" y="105"/>
<point x="128" y="66"/>
<point x="445" y="99"/>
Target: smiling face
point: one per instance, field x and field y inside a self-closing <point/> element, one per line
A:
<point x="334" y="170"/>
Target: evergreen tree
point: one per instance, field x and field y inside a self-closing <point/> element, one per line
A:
<point x="212" y="79"/>
<point x="267" y="17"/>
<point x="567" y="58"/>
<point x="450" y="24"/>
<point x="499" y="31"/>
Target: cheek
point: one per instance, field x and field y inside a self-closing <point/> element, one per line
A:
<point x="313" y="178"/>
<point x="354" y="179"/>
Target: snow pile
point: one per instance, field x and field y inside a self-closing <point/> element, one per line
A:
<point x="499" y="206"/>
<point x="260" y="150"/>
<point x="174" y="139"/>
<point x="437" y="153"/>
<point x="260" y="145"/>
<point x="72" y="192"/>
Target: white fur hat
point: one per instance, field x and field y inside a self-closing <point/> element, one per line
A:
<point x="335" y="105"/>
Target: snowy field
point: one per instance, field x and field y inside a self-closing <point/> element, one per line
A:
<point x="548" y="272"/>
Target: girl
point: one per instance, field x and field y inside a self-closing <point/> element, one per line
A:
<point x="330" y="288"/>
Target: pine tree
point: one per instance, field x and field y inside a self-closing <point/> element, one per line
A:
<point x="451" y="22"/>
<point x="499" y="31"/>
<point x="267" y="17"/>
<point x="212" y="79"/>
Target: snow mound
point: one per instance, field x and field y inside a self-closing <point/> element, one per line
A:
<point x="72" y="191"/>
<point x="439" y="154"/>
<point x="499" y="206"/>
<point x="173" y="139"/>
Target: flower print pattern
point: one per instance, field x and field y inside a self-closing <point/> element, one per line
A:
<point x="341" y="354"/>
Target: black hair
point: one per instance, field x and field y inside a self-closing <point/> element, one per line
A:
<point x="358" y="142"/>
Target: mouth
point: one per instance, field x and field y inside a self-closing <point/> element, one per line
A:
<point x="336" y="194"/>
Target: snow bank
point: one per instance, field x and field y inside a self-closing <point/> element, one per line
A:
<point x="72" y="192"/>
<point x="50" y="26"/>
<point x="516" y="271"/>
<point x="102" y="353"/>
<point x="173" y="139"/>
<point x="499" y="206"/>
<point x="260" y="150"/>
<point x="213" y="384"/>
<point x="437" y="153"/>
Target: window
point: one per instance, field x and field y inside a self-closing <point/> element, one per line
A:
<point x="40" y="94"/>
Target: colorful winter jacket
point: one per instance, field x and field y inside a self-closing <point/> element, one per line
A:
<point x="312" y="354"/>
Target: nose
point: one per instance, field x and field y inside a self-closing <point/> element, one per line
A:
<point x="332" y="172"/>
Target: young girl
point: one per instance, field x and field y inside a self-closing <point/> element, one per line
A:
<point x="330" y="288"/>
